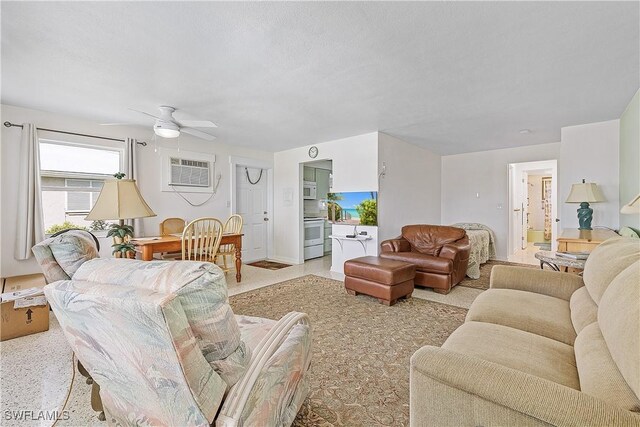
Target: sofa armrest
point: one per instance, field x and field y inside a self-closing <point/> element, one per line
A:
<point x="395" y="245"/>
<point x="551" y="283"/>
<point x="486" y="393"/>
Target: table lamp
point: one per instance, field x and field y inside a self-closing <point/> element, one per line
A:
<point x="585" y="193"/>
<point x="120" y="199"/>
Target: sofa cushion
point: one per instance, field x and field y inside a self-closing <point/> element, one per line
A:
<point x="607" y="260"/>
<point x="599" y="375"/>
<point x="619" y="321"/>
<point x="516" y="349"/>
<point x="527" y="311"/>
<point x="202" y="292"/>
<point x="429" y="239"/>
<point x="584" y="310"/>
<point x="422" y="262"/>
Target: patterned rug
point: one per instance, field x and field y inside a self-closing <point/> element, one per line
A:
<point x="485" y="272"/>
<point x="361" y="349"/>
<point x="269" y="265"/>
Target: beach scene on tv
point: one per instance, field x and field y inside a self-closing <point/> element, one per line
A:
<point x="354" y="208"/>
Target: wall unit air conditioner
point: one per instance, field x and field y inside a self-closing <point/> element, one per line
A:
<point x="189" y="173"/>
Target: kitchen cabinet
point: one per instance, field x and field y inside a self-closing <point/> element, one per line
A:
<point x="322" y="183"/>
<point x="309" y="174"/>
<point x="327" y="239"/>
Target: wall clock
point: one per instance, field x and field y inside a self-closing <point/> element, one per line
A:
<point x="313" y="152"/>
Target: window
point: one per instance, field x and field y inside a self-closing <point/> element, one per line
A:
<point x="72" y="177"/>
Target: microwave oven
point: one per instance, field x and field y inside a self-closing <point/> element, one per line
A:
<point x="309" y="190"/>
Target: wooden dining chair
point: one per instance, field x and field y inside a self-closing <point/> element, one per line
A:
<point x="201" y="239"/>
<point x="172" y="226"/>
<point x="168" y="227"/>
<point x="232" y="226"/>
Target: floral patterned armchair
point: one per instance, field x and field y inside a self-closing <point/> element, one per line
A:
<point x="163" y="343"/>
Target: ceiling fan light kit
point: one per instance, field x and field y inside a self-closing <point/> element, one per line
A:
<point x="166" y="129"/>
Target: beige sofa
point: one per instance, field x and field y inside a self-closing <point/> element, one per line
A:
<point x="541" y="348"/>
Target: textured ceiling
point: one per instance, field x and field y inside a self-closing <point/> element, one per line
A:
<point x="452" y="77"/>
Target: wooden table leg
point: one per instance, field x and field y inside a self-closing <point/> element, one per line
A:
<point x="147" y="253"/>
<point x="238" y="246"/>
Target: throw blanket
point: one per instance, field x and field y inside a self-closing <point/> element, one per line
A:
<point x="483" y="246"/>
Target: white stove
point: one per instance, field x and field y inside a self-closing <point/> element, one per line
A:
<point x="313" y="237"/>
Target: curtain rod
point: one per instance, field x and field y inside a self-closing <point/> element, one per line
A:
<point x="11" y="125"/>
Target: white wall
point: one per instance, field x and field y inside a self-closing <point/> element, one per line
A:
<point x="590" y="151"/>
<point x="355" y="168"/>
<point x="485" y="174"/>
<point x="164" y="204"/>
<point x="410" y="189"/>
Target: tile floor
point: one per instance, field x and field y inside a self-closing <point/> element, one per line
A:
<point x="525" y="256"/>
<point x="36" y="370"/>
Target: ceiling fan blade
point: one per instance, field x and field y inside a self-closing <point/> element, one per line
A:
<point x="146" y="114"/>
<point x="198" y="123"/>
<point x="198" y="133"/>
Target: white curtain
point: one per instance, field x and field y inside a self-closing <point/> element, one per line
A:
<point x="131" y="169"/>
<point x="30" y="224"/>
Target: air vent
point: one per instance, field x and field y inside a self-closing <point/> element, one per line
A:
<point x="189" y="173"/>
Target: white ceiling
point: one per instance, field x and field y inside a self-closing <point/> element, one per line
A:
<point x="452" y="77"/>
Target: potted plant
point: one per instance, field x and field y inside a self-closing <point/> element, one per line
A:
<point x="122" y="234"/>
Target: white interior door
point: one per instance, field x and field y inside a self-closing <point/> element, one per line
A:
<point x="252" y="205"/>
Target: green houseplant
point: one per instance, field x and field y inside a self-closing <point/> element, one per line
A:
<point x="122" y="234"/>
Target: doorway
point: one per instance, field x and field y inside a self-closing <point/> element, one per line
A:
<point x="533" y="209"/>
<point x="251" y="198"/>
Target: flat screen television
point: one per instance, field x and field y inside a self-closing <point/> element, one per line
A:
<point x="353" y="208"/>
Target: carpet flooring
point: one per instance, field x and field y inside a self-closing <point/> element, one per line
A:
<point x="485" y="272"/>
<point x="361" y="349"/>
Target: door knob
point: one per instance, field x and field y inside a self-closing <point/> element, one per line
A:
<point x="266" y="219"/>
<point x="517" y="210"/>
<point x="557" y="219"/>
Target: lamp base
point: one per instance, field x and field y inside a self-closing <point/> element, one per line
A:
<point x="585" y="216"/>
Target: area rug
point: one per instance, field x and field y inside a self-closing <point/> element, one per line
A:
<point x="269" y="265"/>
<point x="361" y="349"/>
<point x="485" y="273"/>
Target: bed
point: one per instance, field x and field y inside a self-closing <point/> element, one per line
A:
<point x="483" y="246"/>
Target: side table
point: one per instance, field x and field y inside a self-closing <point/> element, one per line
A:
<point x="556" y="262"/>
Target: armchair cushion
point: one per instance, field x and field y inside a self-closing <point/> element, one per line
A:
<point x="201" y="290"/>
<point x="429" y="239"/>
<point x="60" y="256"/>
<point x="536" y="313"/>
<point x="423" y="262"/>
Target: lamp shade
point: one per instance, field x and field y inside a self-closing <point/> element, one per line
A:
<point x="120" y="199"/>
<point x="633" y="207"/>
<point x="585" y="192"/>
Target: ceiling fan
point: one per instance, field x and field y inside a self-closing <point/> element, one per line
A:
<point x="166" y="126"/>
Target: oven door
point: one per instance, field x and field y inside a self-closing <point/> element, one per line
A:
<point x="313" y="233"/>
<point x="309" y="191"/>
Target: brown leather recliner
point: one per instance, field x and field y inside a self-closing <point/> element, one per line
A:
<point x="440" y="254"/>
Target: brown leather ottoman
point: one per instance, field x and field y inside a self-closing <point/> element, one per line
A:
<point x="380" y="278"/>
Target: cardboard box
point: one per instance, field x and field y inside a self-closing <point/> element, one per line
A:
<point x="19" y="283"/>
<point x="18" y="322"/>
